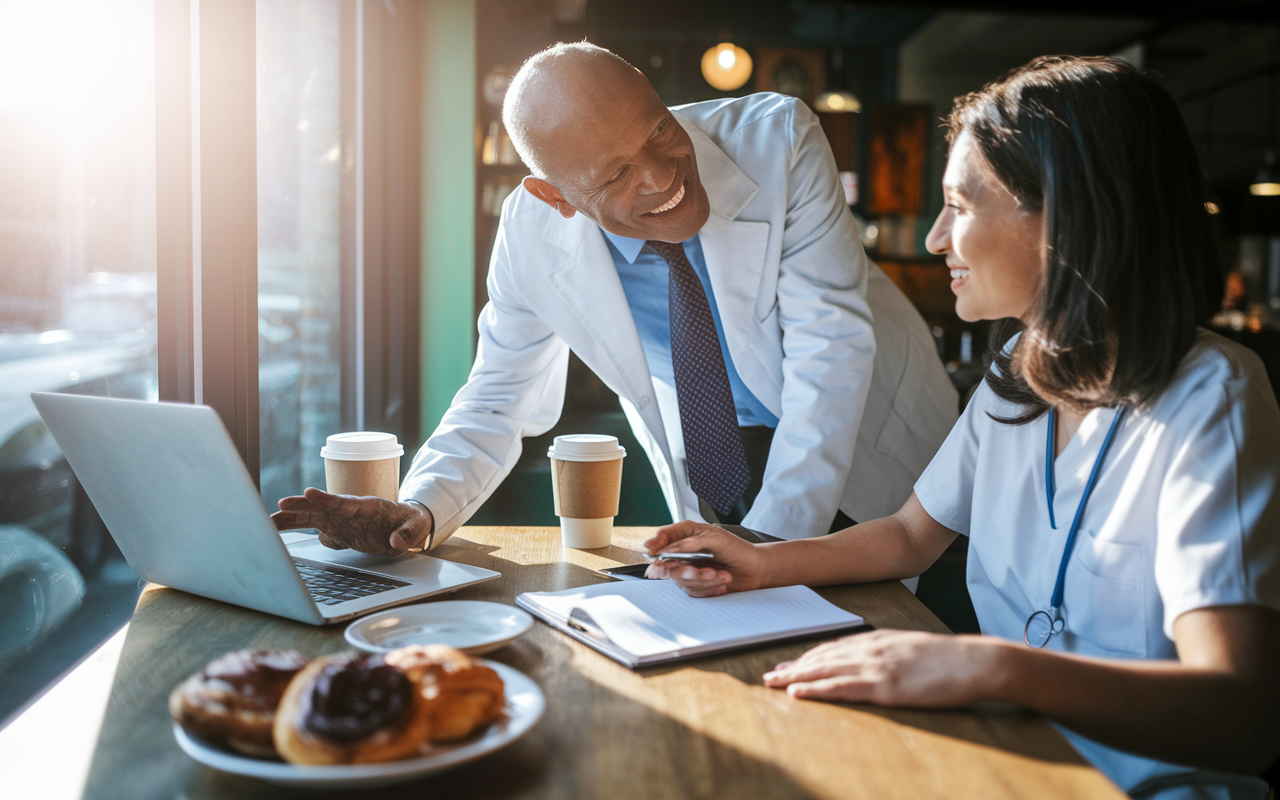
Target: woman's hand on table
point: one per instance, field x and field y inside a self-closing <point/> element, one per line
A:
<point x="738" y="565"/>
<point x="363" y="524"/>
<point x="895" y="668"/>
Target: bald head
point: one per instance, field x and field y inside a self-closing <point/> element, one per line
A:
<point x="561" y="88"/>
<point x="600" y="141"/>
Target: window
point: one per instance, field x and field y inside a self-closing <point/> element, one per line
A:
<point x="211" y="202"/>
<point x="77" y="309"/>
<point x="300" y="147"/>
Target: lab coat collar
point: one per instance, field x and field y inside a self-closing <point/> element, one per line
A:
<point x="728" y="187"/>
<point x="567" y="234"/>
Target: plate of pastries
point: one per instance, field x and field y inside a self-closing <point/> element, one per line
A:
<point x="350" y="720"/>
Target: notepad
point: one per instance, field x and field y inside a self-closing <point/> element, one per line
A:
<point x="641" y="623"/>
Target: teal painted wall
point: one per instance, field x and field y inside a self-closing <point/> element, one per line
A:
<point x="448" y="202"/>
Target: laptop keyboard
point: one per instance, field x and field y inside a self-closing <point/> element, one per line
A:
<point x="330" y="584"/>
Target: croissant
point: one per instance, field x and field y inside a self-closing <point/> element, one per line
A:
<point x="460" y="694"/>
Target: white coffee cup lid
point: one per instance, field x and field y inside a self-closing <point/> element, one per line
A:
<point x="361" y="446"/>
<point x="586" y="447"/>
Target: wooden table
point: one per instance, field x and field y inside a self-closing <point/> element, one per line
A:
<point x="703" y="729"/>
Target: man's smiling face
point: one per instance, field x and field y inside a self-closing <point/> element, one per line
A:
<point x="612" y="150"/>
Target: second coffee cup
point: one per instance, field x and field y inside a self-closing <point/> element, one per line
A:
<point x="363" y="463"/>
<point x="586" y="481"/>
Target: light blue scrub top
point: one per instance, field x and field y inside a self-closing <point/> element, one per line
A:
<point x="644" y="281"/>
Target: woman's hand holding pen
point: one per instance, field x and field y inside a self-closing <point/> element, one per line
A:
<point x="738" y="565"/>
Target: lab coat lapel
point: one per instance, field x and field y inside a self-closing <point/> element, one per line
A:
<point x="735" y="254"/>
<point x="735" y="251"/>
<point x="588" y="284"/>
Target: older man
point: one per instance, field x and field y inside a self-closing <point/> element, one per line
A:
<point x="702" y="262"/>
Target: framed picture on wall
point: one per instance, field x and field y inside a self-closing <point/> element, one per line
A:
<point x="788" y="70"/>
<point x="896" y="153"/>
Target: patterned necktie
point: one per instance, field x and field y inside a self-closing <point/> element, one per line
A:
<point x="717" y="464"/>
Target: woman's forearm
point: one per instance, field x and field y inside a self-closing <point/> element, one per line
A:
<point x="891" y="548"/>
<point x="869" y="552"/>
<point x="1160" y="709"/>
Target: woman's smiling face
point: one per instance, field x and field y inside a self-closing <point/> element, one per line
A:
<point x="994" y="246"/>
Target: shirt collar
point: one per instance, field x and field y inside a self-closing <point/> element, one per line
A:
<point x="628" y="247"/>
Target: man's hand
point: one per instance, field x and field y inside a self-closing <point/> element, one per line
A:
<point x="364" y="524"/>
<point x="895" y="668"/>
<point x="738" y="565"/>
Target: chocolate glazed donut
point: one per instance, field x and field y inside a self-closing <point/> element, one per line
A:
<point x="350" y="700"/>
<point x="350" y="710"/>
<point x="232" y="701"/>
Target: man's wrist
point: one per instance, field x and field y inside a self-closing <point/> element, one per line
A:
<point x="431" y="521"/>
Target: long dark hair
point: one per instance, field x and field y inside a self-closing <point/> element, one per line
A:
<point x="1132" y="261"/>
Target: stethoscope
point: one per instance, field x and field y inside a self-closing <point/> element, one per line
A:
<point x="1045" y="624"/>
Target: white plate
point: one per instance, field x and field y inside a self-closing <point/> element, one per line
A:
<point x="472" y="626"/>
<point x="525" y="705"/>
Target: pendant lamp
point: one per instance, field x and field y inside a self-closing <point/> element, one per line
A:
<point x="838" y="99"/>
<point x="726" y="66"/>
<point x="1266" y="183"/>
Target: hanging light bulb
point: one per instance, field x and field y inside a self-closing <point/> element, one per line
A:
<point x="726" y="66"/>
<point x="838" y="99"/>
<point x="838" y="102"/>
<point x="1266" y="183"/>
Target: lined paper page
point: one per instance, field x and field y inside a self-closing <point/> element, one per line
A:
<point x="651" y="617"/>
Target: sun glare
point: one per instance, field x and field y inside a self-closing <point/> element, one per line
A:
<point x="79" y="61"/>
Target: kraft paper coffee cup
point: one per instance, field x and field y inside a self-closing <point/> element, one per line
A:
<point x="586" y="479"/>
<point x="363" y="463"/>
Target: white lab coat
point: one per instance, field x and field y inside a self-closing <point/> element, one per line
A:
<point x="862" y="407"/>
<point x="1185" y="515"/>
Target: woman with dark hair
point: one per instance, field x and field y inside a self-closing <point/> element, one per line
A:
<point x="1116" y="472"/>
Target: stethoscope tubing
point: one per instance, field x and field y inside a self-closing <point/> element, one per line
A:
<point x="1053" y="615"/>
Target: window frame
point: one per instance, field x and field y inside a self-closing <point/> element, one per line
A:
<point x="206" y="198"/>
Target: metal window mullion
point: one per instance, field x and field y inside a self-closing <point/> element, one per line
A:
<point x="174" y="207"/>
<point x="378" y="160"/>
<point x="391" y="185"/>
<point x="226" y="222"/>
<point x="351" y="310"/>
<point x="397" y="328"/>
<point x="379" y="216"/>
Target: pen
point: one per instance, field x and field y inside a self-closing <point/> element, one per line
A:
<point x="686" y="557"/>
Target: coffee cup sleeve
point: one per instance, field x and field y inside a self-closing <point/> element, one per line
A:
<point x="586" y="489"/>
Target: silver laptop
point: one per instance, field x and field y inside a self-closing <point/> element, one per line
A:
<point x="176" y="497"/>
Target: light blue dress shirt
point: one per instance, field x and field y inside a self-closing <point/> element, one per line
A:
<point x="644" y="280"/>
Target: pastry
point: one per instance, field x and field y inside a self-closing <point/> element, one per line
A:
<point x="232" y="701"/>
<point x="350" y="709"/>
<point x="461" y="695"/>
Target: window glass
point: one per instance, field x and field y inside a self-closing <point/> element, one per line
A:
<point x="299" y="193"/>
<point x="77" y="310"/>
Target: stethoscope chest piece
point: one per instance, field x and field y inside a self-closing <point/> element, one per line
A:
<point x="1040" y="628"/>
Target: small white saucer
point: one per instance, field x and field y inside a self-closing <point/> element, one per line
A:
<point x="472" y="626"/>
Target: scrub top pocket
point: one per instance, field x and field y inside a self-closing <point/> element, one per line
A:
<point x="1103" y="600"/>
